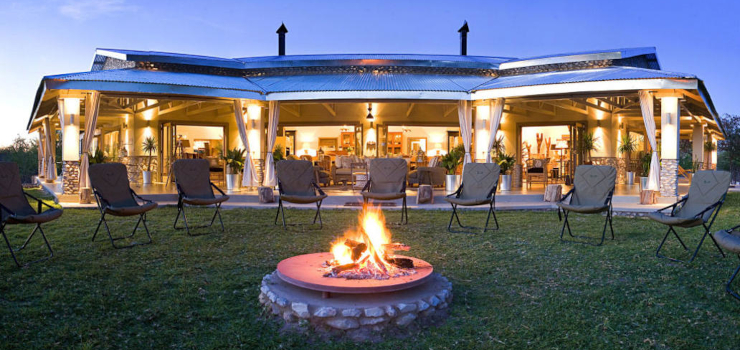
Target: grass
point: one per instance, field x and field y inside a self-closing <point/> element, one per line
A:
<point x="515" y="288"/>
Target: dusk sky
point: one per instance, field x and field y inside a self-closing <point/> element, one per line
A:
<point x="40" y="38"/>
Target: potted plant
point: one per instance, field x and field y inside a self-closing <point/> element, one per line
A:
<point x="97" y="157"/>
<point x="506" y="162"/>
<point x="645" y="170"/>
<point x="709" y="147"/>
<point x="450" y="162"/>
<point x="588" y="144"/>
<point x="234" y="159"/>
<point x="278" y="153"/>
<point x="148" y="146"/>
<point x="627" y="146"/>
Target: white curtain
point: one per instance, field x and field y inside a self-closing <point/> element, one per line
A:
<point x="495" y="112"/>
<point x="92" y="103"/>
<point x="465" y="114"/>
<point x="646" y="104"/>
<point x="41" y="153"/>
<point x="274" y="111"/>
<point x="250" y="175"/>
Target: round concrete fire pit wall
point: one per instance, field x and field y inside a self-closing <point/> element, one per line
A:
<point x="357" y="315"/>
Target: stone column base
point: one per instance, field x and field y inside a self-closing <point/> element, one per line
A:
<point x="669" y="177"/>
<point x="70" y="177"/>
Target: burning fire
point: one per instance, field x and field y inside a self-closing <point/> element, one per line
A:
<point x="368" y="252"/>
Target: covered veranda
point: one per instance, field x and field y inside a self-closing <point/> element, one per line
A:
<point x="317" y="116"/>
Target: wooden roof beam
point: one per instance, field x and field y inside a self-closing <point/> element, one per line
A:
<point x="330" y="109"/>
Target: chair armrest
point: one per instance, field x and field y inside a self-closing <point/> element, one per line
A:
<point x="609" y="197"/>
<point x="566" y="195"/>
<point x="280" y="187"/>
<point x="318" y="188"/>
<point x="99" y="198"/>
<point x="4" y="208"/>
<point x="456" y="193"/>
<point x="39" y="202"/>
<point x="711" y="207"/>
<point x="136" y="196"/>
<point x="366" y="188"/>
<point x="673" y="206"/>
<point x="217" y="189"/>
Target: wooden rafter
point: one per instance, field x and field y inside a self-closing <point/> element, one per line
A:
<point x="567" y="105"/>
<point x="411" y="108"/>
<point x="291" y="110"/>
<point x="593" y="105"/>
<point x="330" y="109"/>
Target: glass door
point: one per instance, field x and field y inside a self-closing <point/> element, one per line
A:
<point x="382" y="150"/>
<point x="359" y="145"/>
<point x="167" y="150"/>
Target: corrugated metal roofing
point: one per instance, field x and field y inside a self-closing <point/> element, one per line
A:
<point x="369" y="82"/>
<point x="577" y="76"/>
<point x="623" y="53"/>
<point x="160" y="77"/>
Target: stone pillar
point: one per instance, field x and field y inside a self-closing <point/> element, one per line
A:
<point x="70" y="176"/>
<point x="670" y="119"/>
<point x="69" y="116"/>
<point x="697" y="142"/>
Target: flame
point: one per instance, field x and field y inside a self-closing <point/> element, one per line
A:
<point x="374" y="234"/>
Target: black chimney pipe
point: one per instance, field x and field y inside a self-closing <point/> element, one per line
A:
<point x="464" y="39"/>
<point x="281" y="39"/>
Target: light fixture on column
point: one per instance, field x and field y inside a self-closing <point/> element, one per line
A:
<point x="668" y="118"/>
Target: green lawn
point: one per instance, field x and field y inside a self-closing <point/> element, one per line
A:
<point x="515" y="288"/>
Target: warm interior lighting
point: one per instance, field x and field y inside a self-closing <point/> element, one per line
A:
<point x="370" y="116"/>
<point x="254" y="112"/>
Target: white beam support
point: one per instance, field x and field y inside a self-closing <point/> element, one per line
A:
<point x="670" y="134"/>
<point x="697" y="142"/>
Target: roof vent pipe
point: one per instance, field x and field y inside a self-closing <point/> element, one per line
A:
<point x="464" y="39"/>
<point x="281" y="39"/>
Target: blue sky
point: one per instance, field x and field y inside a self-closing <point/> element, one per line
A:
<point x="46" y="37"/>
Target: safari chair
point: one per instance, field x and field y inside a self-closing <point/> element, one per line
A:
<point x="730" y="240"/>
<point x="297" y="184"/>
<point x="699" y="207"/>
<point x="478" y="187"/>
<point x="15" y="209"/>
<point x="387" y="182"/>
<point x="114" y="196"/>
<point x="195" y="188"/>
<point x="593" y="188"/>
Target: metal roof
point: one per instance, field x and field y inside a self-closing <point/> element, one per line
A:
<point x="160" y="77"/>
<point x="369" y="82"/>
<point x="416" y="60"/>
<point x="579" y="56"/>
<point x="578" y="76"/>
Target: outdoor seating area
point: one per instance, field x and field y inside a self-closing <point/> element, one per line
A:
<point x="225" y="279"/>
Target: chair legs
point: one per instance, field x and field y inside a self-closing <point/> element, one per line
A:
<point x="13" y="251"/>
<point x="454" y="215"/>
<point x="142" y="219"/>
<point x="566" y="224"/>
<point x="693" y="256"/>
<point x="728" y="288"/>
<point x="281" y="212"/>
<point x="181" y="209"/>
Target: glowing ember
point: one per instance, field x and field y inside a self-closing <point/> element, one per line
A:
<point x="368" y="252"/>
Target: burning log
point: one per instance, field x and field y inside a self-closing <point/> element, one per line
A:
<point x="337" y="269"/>
<point x="357" y="248"/>
<point x="396" y="246"/>
<point x="403" y="263"/>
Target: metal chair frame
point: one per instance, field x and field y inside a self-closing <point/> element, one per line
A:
<point x="37" y="227"/>
<point x="714" y="207"/>
<point x="491" y="211"/>
<point x="103" y="205"/>
<point x="566" y="223"/>
<point x="181" y="209"/>
<point x="281" y="208"/>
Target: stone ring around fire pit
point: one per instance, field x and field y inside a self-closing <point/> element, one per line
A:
<point x="359" y="314"/>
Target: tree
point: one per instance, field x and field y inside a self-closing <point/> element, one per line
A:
<point x="23" y="152"/>
<point x="729" y="149"/>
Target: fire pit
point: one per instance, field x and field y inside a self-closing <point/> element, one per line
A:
<point x="360" y="289"/>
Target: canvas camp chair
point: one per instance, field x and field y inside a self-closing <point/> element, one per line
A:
<point x="297" y="184"/>
<point x="114" y="196"/>
<point x="698" y="208"/>
<point x="478" y="187"/>
<point x="387" y="182"/>
<point x="15" y="209"/>
<point x="194" y="187"/>
<point x="593" y="188"/>
<point x="730" y="241"/>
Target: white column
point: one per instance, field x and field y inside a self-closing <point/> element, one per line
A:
<point x="697" y="142"/>
<point x="713" y="164"/>
<point x="69" y="115"/>
<point x="670" y="120"/>
<point x="481" y="133"/>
